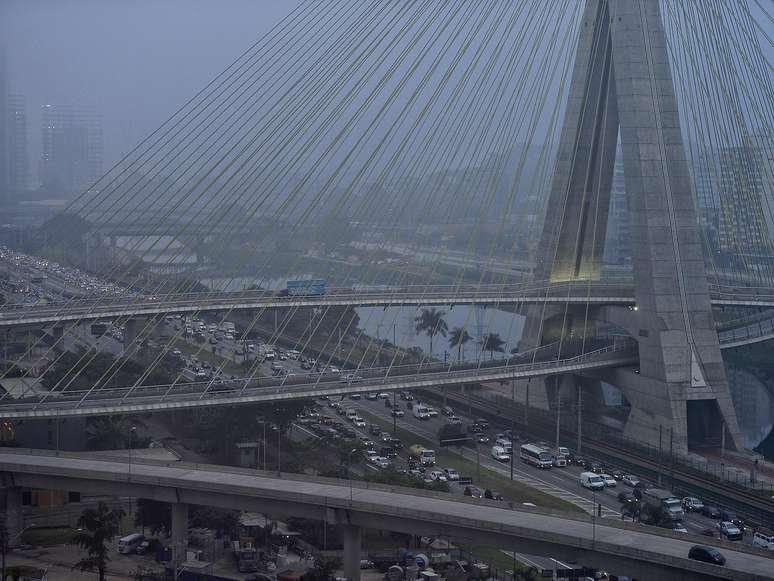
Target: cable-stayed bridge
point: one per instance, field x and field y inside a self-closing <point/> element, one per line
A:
<point x="504" y="129"/>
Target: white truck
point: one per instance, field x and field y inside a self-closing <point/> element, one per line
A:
<point x="423" y="455"/>
<point x="421" y="411"/>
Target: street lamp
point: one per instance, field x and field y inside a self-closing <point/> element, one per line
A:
<point x="349" y="472"/>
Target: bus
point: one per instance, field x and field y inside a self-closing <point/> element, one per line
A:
<point x="536" y="456"/>
<point x="129" y="543"/>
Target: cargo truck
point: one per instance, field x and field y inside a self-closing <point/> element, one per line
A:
<point x="659" y="506"/>
<point x="423" y="455"/>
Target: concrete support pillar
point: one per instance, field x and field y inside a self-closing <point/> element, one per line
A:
<point x="351" y="535"/>
<point x="131" y="327"/>
<point x="179" y="532"/>
<point x="14" y="520"/>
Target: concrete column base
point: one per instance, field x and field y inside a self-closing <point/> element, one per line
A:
<point x="179" y="532"/>
<point x="14" y="519"/>
<point x="352" y="543"/>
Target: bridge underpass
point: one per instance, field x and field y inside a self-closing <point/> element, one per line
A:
<point x="623" y="549"/>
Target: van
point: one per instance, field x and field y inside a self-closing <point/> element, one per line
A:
<point x="505" y="443"/>
<point x="591" y="481"/>
<point x="763" y="540"/>
<point x="500" y="454"/>
<point x="129" y="543"/>
<point x="351" y="414"/>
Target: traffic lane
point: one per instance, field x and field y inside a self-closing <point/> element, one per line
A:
<point x="535" y="478"/>
<point x="568" y="478"/>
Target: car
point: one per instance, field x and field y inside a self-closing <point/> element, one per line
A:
<point x="763" y="540"/>
<point x="385" y="436"/>
<point x="608" y="480"/>
<point x="692" y="504"/>
<point x="727" y="515"/>
<point x="359" y="423"/>
<point x="436" y="476"/>
<point x="454" y="420"/>
<point x="447" y="411"/>
<point x="380" y="462"/>
<point x="617" y="474"/>
<point x="371" y="396"/>
<point x="432" y="412"/>
<point x="678" y="527"/>
<point x="630" y="480"/>
<point x="451" y="474"/>
<point x="482" y="439"/>
<point x="730" y="531"/>
<point x="475" y="429"/>
<point x="383" y="395"/>
<point x="396" y="413"/>
<point x="706" y="555"/>
<point x="350" y="378"/>
<point x="353" y="395"/>
<point x="482" y="422"/>
<point x="578" y="460"/>
<point x="626" y="498"/>
<point x="335" y="369"/>
<point x="493" y="495"/>
<point x="711" y="511"/>
<point x="473" y="491"/>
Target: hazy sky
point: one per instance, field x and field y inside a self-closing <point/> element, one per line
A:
<point x="134" y="61"/>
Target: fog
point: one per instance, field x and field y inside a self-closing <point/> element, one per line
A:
<point x="134" y="61"/>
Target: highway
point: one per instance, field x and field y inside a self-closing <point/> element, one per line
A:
<point x="583" y="292"/>
<point x="598" y="542"/>
<point x="150" y="398"/>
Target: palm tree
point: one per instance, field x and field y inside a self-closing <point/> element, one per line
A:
<point x="459" y="336"/>
<point x="492" y="343"/>
<point x="96" y="528"/>
<point x="432" y="323"/>
<point x="107" y="433"/>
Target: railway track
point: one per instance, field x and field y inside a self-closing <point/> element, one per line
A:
<point x="755" y="509"/>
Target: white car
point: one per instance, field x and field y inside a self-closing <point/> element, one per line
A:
<point x="335" y="370"/>
<point x="452" y="474"/>
<point x="432" y="412"/>
<point x="692" y="504"/>
<point x="380" y="461"/>
<point x="436" y="475"/>
<point x="609" y="481"/>
<point x="383" y="395"/>
<point x="730" y="531"/>
<point x="630" y="480"/>
<point x="359" y="423"/>
<point x="350" y="378"/>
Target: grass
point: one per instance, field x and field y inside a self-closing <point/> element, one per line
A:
<point x="512" y="490"/>
<point x="48" y="537"/>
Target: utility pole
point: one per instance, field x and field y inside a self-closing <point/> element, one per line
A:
<point x="660" y="454"/>
<point x="580" y="416"/>
<point x="394" y="416"/>
<point x="558" y="415"/>
<point x="526" y="404"/>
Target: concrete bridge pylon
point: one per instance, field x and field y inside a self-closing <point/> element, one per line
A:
<point x="622" y="82"/>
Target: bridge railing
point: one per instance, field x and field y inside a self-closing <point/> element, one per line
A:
<point x="374" y="378"/>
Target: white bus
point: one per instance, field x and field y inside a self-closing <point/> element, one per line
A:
<point x="536" y="456"/>
<point x="129" y="543"/>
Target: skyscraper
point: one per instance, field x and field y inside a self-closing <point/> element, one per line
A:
<point x="18" y="163"/>
<point x="72" y="146"/>
<point x="4" y="158"/>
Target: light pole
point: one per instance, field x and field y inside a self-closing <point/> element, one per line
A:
<point x="349" y="472"/>
<point x="132" y="432"/>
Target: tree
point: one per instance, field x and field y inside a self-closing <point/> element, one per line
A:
<point x="324" y="569"/>
<point x="154" y="515"/>
<point x="459" y="336"/>
<point x="432" y="323"/>
<point x="97" y="527"/>
<point x="107" y="433"/>
<point x="493" y="342"/>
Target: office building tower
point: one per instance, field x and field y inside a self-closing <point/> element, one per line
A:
<point x="72" y="147"/>
<point x="18" y="162"/>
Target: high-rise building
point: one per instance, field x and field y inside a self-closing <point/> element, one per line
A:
<point x="4" y="158"/>
<point x="18" y="162"/>
<point x="745" y="229"/>
<point x="72" y="147"/>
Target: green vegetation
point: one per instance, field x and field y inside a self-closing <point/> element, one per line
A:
<point x="96" y="529"/>
<point x="48" y="537"/>
<point x="89" y="369"/>
<point x="512" y="490"/>
<point x="459" y="336"/>
<point x="395" y="478"/>
<point x="431" y="322"/>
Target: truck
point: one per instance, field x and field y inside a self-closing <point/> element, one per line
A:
<point x="423" y="455"/>
<point x="305" y="288"/>
<point x="420" y="411"/>
<point x="659" y="506"/>
<point x="246" y="555"/>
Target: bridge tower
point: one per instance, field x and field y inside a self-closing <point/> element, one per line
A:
<point x="622" y="81"/>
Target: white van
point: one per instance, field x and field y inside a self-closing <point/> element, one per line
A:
<point x="421" y="412"/>
<point x="500" y="454"/>
<point x="129" y="543"/>
<point x="763" y="541"/>
<point x="351" y="414"/>
<point x="591" y="481"/>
